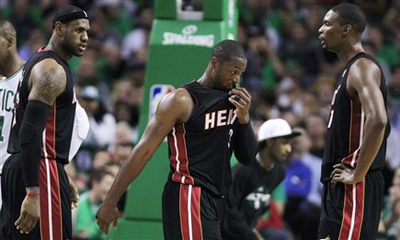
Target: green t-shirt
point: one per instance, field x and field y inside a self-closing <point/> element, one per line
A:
<point x="86" y="219"/>
<point x="390" y="54"/>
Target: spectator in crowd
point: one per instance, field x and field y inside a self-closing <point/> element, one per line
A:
<point x="85" y="226"/>
<point x="315" y="126"/>
<point x="271" y="224"/>
<point x="391" y="213"/>
<point x="303" y="189"/>
<point x="102" y="127"/>
<point x="250" y="193"/>
<point x="102" y="123"/>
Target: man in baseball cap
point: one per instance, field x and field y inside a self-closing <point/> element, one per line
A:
<point x="274" y="129"/>
<point x="249" y="196"/>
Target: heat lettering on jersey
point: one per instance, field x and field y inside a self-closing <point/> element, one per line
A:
<point x="7" y="100"/>
<point x="219" y="118"/>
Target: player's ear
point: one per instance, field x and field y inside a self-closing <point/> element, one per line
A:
<point x="214" y="62"/>
<point x="59" y="28"/>
<point x="346" y="29"/>
<point x="10" y="42"/>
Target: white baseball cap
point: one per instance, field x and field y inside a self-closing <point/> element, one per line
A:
<point x="275" y="128"/>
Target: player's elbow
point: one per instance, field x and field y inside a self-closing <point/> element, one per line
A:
<point x="379" y="122"/>
<point x="146" y="155"/>
<point x="143" y="153"/>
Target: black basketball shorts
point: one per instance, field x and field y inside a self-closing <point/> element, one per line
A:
<point x="55" y="200"/>
<point x="351" y="212"/>
<point x="189" y="212"/>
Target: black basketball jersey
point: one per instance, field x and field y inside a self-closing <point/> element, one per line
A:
<point x="346" y="126"/>
<point x="200" y="149"/>
<point x="57" y="136"/>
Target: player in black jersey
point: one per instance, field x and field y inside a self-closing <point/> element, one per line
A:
<point x="357" y="132"/>
<point x="204" y="125"/>
<point x="35" y="185"/>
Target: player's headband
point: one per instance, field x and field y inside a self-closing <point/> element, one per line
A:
<point x="68" y="17"/>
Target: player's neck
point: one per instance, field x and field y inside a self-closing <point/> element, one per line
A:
<point x="58" y="49"/>
<point x="13" y="64"/>
<point x="205" y="81"/>
<point x="348" y="52"/>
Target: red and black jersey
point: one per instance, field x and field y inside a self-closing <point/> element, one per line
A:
<point x="346" y="126"/>
<point x="57" y="136"/>
<point x="200" y="149"/>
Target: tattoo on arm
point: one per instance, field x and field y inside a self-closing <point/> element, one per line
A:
<point x="48" y="86"/>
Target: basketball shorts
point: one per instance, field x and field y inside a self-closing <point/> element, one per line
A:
<point x="188" y="212"/>
<point x="352" y="211"/>
<point x="55" y="200"/>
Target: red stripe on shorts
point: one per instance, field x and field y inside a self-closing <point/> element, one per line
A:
<point x="353" y="211"/>
<point x="189" y="211"/>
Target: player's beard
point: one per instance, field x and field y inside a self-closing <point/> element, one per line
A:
<point x="69" y="48"/>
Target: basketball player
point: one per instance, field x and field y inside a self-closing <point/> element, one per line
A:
<point x="205" y="121"/>
<point x="11" y="68"/>
<point x="10" y="75"/>
<point x="357" y="132"/>
<point x="35" y="185"/>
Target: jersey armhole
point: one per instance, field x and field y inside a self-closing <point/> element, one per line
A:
<point x="194" y="99"/>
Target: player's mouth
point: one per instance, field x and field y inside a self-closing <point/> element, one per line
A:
<point x="322" y="39"/>
<point x="82" y="47"/>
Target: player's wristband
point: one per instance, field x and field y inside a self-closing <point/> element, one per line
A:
<point x="33" y="194"/>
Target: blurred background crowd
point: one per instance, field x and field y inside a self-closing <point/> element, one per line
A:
<point x="289" y="75"/>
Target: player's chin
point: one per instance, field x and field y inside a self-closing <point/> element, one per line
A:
<point x="284" y="159"/>
<point x="79" y="53"/>
<point x="230" y="87"/>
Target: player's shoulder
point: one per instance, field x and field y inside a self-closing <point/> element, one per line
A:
<point x="365" y="65"/>
<point x="48" y="67"/>
<point x="177" y="103"/>
<point x="179" y="96"/>
<point x="48" y="63"/>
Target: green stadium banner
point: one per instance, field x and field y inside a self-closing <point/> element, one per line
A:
<point x="181" y="41"/>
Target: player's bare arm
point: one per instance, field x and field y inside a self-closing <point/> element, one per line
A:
<point x="364" y="87"/>
<point x="46" y="82"/>
<point x="173" y="108"/>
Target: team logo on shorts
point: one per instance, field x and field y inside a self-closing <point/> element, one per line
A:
<point x="157" y="92"/>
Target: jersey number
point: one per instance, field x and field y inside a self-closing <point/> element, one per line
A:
<point x="1" y="128"/>
<point x="230" y="137"/>
<point x="330" y="119"/>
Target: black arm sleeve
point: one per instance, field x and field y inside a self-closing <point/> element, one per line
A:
<point x="30" y="136"/>
<point x="245" y="144"/>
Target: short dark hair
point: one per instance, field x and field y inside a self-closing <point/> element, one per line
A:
<point x="351" y="14"/>
<point x="66" y="14"/>
<point x="98" y="174"/>
<point x="228" y="49"/>
<point x="7" y="29"/>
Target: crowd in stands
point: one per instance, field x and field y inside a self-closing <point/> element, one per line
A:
<point x="289" y="75"/>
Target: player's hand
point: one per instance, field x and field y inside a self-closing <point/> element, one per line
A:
<point x="342" y="174"/>
<point x="105" y="215"/>
<point x="29" y="216"/>
<point x="74" y="193"/>
<point x="241" y="99"/>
